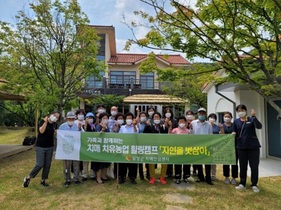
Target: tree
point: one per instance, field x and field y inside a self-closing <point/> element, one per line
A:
<point x="48" y="55"/>
<point x="242" y="37"/>
<point x="180" y="82"/>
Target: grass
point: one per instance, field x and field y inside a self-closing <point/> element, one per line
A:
<point x="90" y="195"/>
<point x="12" y="135"/>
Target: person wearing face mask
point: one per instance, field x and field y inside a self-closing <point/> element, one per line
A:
<point x="228" y="129"/>
<point x="157" y="127"/>
<point x="119" y="121"/>
<point x="101" y="167"/>
<point x="248" y="146"/>
<point x="201" y="126"/>
<point x="181" y="129"/>
<point x="132" y="168"/>
<point x="80" y="115"/>
<point x="100" y="109"/>
<point x="150" y="112"/>
<point x="189" y="115"/>
<point x="89" y="126"/>
<point x="141" y="125"/>
<point x="70" y="125"/>
<point x="80" y="119"/>
<point x="217" y="129"/>
<point x="168" y="115"/>
<point x="44" y="148"/>
<point x="111" y="120"/>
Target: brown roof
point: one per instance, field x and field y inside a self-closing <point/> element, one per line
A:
<point x="129" y="58"/>
<point x="153" y="99"/>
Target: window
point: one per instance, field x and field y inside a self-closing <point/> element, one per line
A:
<point x="93" y="82"/>
<point x="123" y="77"/>
<point x="147" y="81"/>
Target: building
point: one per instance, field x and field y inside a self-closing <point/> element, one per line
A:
<point x="221" y="98"/>
<point x="122" y="76"/>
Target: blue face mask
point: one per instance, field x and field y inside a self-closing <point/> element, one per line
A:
<point x="202" y="118"/>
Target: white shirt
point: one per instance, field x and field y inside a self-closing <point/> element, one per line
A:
<point x="201" y="127"/>
<point x="128" y="129"/>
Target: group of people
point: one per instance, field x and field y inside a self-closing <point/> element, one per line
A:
<point x="247" y="145"/>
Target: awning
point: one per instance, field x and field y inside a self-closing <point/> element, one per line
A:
<point x="231" y="87"/>
<point x="153" y="99"/>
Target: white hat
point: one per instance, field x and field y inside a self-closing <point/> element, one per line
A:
<point x="70" y="115"/>
<point x="201" y="110"/>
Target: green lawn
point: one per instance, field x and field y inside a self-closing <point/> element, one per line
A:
<point x="12" y="135"/>
<point x="90" y="195"/>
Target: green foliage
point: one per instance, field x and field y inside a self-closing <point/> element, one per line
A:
<point x="107" y="100"/>
<point x="48" y="55"/>
<point x="20" y="113"/>
<point x="241" y="37"/>
<point x="185" y="82"/>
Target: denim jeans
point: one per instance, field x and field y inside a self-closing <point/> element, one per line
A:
<point x="43" y="160"/>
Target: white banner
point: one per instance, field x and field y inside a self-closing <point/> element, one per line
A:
<point x="68" y="145"/>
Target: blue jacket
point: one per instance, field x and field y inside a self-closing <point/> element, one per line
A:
<point x="248" y="138"/>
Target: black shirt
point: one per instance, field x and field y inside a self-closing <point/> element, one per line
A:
<point x="46" y="139"/>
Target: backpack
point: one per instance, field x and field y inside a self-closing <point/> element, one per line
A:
<point x="29" y="140"/>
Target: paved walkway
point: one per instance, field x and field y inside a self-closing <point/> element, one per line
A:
<point x="7" y="150"/>
<point x="269" y="167"/>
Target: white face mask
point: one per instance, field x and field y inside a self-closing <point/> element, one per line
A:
<point x="143" y="119"/>
<point x="53" y="118"/>
<point x="156" y="122"/>
<point x="168" y="115"/>
<point x="129" y="121"/>
<point x="101" y="111"/>
<point x="150" y="113"/>
<point x="227" y="119"/>
<point x="70" y="123"/>
<point x="212" y="120"/>
<point x="189" y="117"/>
<point x="120" y="122"/>
<point x="80" y="117"/>
<point x="182" y="125"/>
<point x="105" y="121"/>
<point x="113" y="113"/>
<point x="242" y="114"/>
<point x="90" y="121"/>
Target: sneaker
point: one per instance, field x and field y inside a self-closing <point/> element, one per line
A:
<point x="84" y="179"/>
<point x="26" y="182"/>
<point x="227" y="180"/>
<point x="152" y="180"/>
<point x="44" y="184"/>
<point x="163" y="181"/>
<point x="178" y="181"/>
<point x="133" y="181"/>
<point x="240" y="187"/>
<point x="255" y="189"/>
<point x="67" y="183"/>
<point x="233" y="181"/>
<point x="77" y="182"/>
<point x="190" y="179"/>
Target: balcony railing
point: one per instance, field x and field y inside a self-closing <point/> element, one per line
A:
<point x="107" y="83"/>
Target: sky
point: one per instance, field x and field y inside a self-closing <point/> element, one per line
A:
<point x="99" y="12"/>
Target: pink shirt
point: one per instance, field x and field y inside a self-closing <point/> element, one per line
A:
<point x="180" y="131"/>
